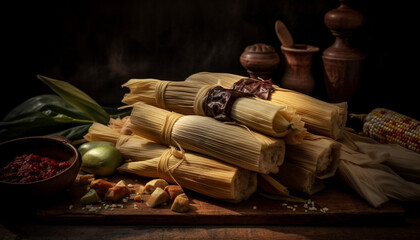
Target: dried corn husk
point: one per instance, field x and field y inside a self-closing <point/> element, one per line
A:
<point x="233" y="144"/>
<point x="187" y="98"/>
<point x="320" y="117"/>
<point x="404" y="162"/>
<point x="196" y="172"/>
<point x="121" y="125"/>
<point x="372" y="179"/>
<point x="318" y="154"/>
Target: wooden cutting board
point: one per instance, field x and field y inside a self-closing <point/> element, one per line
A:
<point x="339" y="207"/>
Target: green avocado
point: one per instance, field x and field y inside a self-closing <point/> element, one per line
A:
<point x="93" y="144"/>
<point x="101" y="161"/>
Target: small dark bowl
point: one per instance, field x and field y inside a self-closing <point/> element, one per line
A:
<point x="55" y="147"/>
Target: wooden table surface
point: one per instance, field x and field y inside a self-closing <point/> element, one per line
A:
<point x="33" y="230"/>
<point x="349" y="217"/>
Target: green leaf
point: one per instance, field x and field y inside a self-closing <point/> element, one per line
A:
<point x="43" y="115"/>
<point x="74" y="133"/>
<point x="32" y="124"/>
<point x="49" y="104"/>
<point x="77" y="98"/>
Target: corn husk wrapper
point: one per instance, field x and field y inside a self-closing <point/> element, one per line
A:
<point x="187" y="98"/>
<point x="192" y="171"/>
<point x="320" y="117"/>
<point x="234" y="144"/>
<point x="317" y="154"/>
<point x="372" y="179"/>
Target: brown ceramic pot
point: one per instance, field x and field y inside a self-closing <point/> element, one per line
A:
<point x="298" y="74"/>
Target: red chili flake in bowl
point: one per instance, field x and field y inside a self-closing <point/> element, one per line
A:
<point x="30" y="168"/>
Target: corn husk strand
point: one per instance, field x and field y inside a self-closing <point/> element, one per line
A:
<point x="187" y="98"/>
<point x="192" y="171"/>
<point x="233" y="144"/>
<point x="320" y="117"/>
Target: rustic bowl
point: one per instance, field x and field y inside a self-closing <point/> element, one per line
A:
<point x="58" y="148"/>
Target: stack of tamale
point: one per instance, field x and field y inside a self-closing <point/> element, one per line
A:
<point x="187" y="98"/>
<point x="252" y="141"/>
<point x="192" y="171"/>
<point x="236" y="145"/>
<point x="289" y="141"/>
<point x="320" y="117"/>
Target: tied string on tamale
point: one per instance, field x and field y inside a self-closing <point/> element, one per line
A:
<point x="167" y="127"/>
<point x="160" y="93"/>
<point x="259" y="88"/>
<point x="164" y="171"/>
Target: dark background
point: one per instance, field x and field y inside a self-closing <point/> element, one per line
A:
<point x="99" y="45"/>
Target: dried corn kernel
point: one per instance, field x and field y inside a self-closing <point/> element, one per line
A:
<point x="387" y="126"/>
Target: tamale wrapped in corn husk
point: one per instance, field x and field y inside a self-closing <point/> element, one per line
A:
<point x="299" y="179"/>
<point x="133" y="147"/>
<point x="318" y="154"/>
<point x="320" y="117"/>
<point x="187" y="98"/>
<point x="234" y="144"/>
<point x="192" y="171"/>
<point x="308" y="163"/>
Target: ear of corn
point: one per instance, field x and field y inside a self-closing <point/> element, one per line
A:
<point x="387" y="126"/>
<point x="320" y="117"/>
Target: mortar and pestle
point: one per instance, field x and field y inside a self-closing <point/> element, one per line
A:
<point x="298" y="62"/>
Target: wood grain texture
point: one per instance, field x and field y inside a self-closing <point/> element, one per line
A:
<point x="343" y="208"/>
